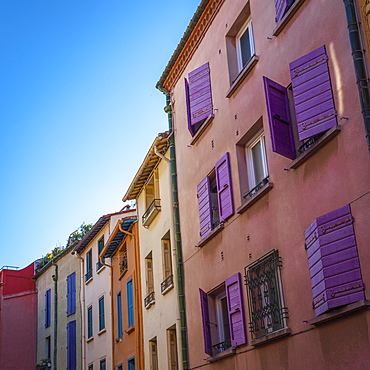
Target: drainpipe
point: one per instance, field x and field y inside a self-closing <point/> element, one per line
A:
<point x="161" y="155"/>
<point x="176" y="217"/>
<point x="359" y="64"/>
<point x="55" y="278"/>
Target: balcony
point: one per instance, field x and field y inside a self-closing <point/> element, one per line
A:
<point x="167" y="284"/>
<point x="152" y="211"/>
<point x="223" y="346"/>
<point x="88" y="275"/>
<point x="124" y="263"/>
<point x="149" y="300"/>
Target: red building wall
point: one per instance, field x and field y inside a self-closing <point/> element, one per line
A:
<point x="18" y="304"/>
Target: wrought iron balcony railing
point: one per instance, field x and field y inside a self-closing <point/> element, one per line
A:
<point x="149" y="300"/>
<point x="88" y="275"/>
<point x="152" y="211"/>
<point x="167" y="284"/>
<point x="99" y="265"/>
<point x="257" y="188"/>
<point x="124" y="265"/>
<point x="222" y="346"/>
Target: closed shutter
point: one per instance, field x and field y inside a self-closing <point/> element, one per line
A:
<point x="206" y="323"/>
<point x="205" y="209"/>
<point x="313" y="97"/>
<point x="281" y="6"/>
<point x="200" y="96"/>
<point x="71" y="293"/>
<point x="47" y="308"/>
<point x="333" y="261"/>
<point x="149" y="275"/>
<point x="119" y="315"/>
<point x="236" y="311"/>
<point x="224" y="189"/>
<point x="130" y="303"/>
<point x="167" y="265"/>
<point x="279" y="118"/>
<point x="71" y="345"/>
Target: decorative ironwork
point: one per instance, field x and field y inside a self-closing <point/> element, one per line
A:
<point x="264" y="294"/>
<point x="88" y="275"/>
<point x="124" y="263"/>
<point x="309" y="142"/>
<point x="167" y="283"/>
<point x="257" y="188"/>
<point x="223" y="346"/>
<point x="151" y="212"/>
<point x="149" y="300"/>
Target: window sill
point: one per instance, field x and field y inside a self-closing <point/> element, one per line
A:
<point x="248" y="203"/>
<point x="150" y="304"/>
<point x="287" y="17"/>
<point x="229" y="352"/>
<point x="242" y="75"/>
<point x="130" y="329"/>
<point x="88" y="281"/>
<point x="170" y="287"/>
<point x="101" y="269"/>
<point x="340" y="312"/>
<point x="212" y="234"/>
<point x="279" y="334"/>
<point x="102" y="331"/>
<point x="329" y="135"/>
<point x="122" y="274"/>
<point x="202" y="128"/>
<point x="88" y="340"/>
<point x="70" y="313"/>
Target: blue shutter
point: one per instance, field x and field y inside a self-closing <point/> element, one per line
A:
<point x="205" y="209"/>
<point x="236" y="311"/>
<point x="47" y="308"/>
<point x="71" y="293"/>
<point x="71" y="346"/>
<point x="313" y="97"/>
<point x="89" y="323"/>
<point x="131" y="363"/>
<point x="206" y="323"/>
<point x="130" y="303"/>
<point x="224" y="189"/>
<point x="281" y="131"/>
<point x="119" y="315"/>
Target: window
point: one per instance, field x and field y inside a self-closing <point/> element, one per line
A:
<point x="88" y="274"/>
<point x="71" y="294"/>
<point x="103" y="364"/>
<point x="149" y="299"/>
<point x="91" y="367"/>
<point x="119" y="367"/>
<point x="48" y="347"/>
<point x="99" y="265"/>
<point x="215" y="198"/>
<point x="172" y="349"/>
<point x="223" y="316"/>
<point x="153" y="353"/>
<point x="130" y="303"/>
<point x="198" y="97"/>
<point x="255" y="152"/>
<point x="101" y="314"/>
<point x="131" y="363"/>
<point x="266" y="309"/>
<point x="152" y="199"/>
<point x="281" y="7"/>
<point x="124" y="259"/>
<point x="313" y="103"/>
<point x="245" y="45"/>
<point x="89" y="322"/>
<point x="167" y="283"/>
<point x="71" y="346"/>
<point x="333" y="261"/>
<point x="119" y="315"/>
<point x="47" y="308"/>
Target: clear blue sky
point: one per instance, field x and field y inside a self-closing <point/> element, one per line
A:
<point x="78" y="110"/>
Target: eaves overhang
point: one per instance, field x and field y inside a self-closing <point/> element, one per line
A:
<point x="151" y="159"/>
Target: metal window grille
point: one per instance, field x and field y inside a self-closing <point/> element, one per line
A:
<point x="262" y="279"/>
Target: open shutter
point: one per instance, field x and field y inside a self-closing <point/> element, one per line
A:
<point x="236" y="311"/>
<point x="281" y="6"/>
<point x="333" y="261"/>
<point x="200" y="96"/>
<point x="206" y="323"/>
<point x="68" y="295"/>
<point x="71" y="346"/>
<point x="224" y="189"/>
<point x="73" y="293"/>
<point x="205" y="209"/>
<point x="187" y="97"/>
<point x="279" y="118"/>
<point x="313" y="97"/>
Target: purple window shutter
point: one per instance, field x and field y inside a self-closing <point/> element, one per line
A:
<point x="236" y="311"/>
<point x="190" y="127"/>
<point x="206" y="323"/>
<point x="224" y="189"/>
<point x="279" y="118"/>
<point x="71" y="346"/>
<point x="333" y="261"/>
<point x="205" y="210"/>
<point x="281" y="6"/>
<point x="200" y="95"/>
<point x="313" y="97"/>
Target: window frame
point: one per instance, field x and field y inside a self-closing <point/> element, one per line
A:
<point x="153" y="355"/>
<point x="48" y="308"/>
<point x="101" y="306"/>
<point x="130" y="303"/>
<point x="119" y="314"/>
<point x="103" y="364"/>
<point x="99" y="265"/>
<point x="90" y="332"/>
<point x="71" y="293"/>
<point x="89" y="269"/>
<point x="239" y="52"/>
<point x="172" y="350"/>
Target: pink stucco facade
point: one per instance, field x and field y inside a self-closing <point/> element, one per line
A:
<point x="18" y="304"/>
<point x="333" y="173"/>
